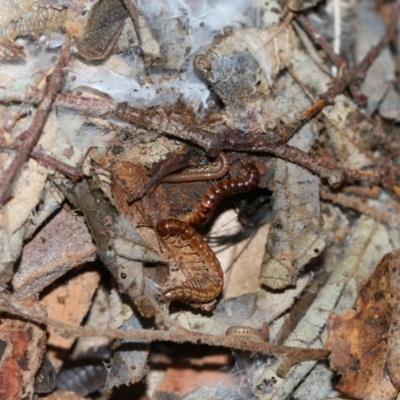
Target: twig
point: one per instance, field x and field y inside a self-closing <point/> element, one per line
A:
<point x="291" y="355"/>
<point x="48" y="161"/>
<point x="143" y="33"/>
<point x="358" y="205"/>
<point x="218" y="137"/>
<point x="321" y="41"/>
<point x="29" y="138"/>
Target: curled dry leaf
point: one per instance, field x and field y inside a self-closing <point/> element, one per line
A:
<point x="16" y="212"/>
<point x="101" y="29"/>
<point x="364" y="342"/>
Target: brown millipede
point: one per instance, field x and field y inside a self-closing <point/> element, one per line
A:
<point x="193" y="290"/>
<point x="246" y="332"/>
<point x="217" y="192"/>
<point x="208" y="173"/>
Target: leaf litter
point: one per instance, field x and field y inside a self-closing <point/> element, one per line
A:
<point x="100" y="100"/>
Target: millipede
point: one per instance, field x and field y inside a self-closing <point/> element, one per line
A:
<point x="193" y="290"/>
<point x="246" y="332"/>
<point x="209" y="172"/>
<point x="203" y="212"/>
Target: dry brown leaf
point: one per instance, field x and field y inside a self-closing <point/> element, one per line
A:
<point x="70" y="303"/>
<point x="296" y="236"/>
<point x="360" y="351"/>
<point x="190" y="373"/>
<point x="62" y="244"/>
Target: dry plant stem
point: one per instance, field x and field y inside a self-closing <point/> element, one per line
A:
<point x="358" y="205"/>
<point x="320" y="40"/>
<point x="50" y="162"/>
<point x="364" y="191"/>
<point x="290" y="354"/>
<point x="29" y="138"/>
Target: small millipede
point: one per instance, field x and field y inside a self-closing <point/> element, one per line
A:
<point x="203" y="212"/>
<point x="194" y="290"/>
<point x="246" y="332"/>
<point x="207" y="173"/>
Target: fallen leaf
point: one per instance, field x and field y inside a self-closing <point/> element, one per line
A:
<point x="360" y="351"/>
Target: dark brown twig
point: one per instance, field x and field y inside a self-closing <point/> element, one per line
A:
<point x="29" y="138"/>
<point x="50" y="162"/>
<point x="317" y="38"/>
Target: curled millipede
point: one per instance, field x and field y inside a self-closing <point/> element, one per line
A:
<point x="193" y="290"/>
<point x="45" y="380"/>
<point x="83" y="379"/>
<point x="220" y="190"/>
<point x="87" y="373"/>
<point x="208" y="173"/>
<point x="246" y="332"/>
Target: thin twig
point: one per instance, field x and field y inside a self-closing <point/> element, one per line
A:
<point x="50" y="162"/>
<point x="29" y="138"/>
<point x="317" y="38"/>
<point x="9" y="304"/>
<point x="358" y="205"/>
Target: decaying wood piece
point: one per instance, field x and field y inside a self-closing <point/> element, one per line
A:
<point x="22" y="345"/>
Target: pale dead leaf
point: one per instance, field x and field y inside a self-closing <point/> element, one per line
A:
<point x="296" y="236"/>
<point x="368" y="242"/>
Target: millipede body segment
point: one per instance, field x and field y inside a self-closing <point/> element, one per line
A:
<point x="203" y="212"/>
<point x="193" y="290"/>
<point x="246" y="332"/>
<point x="208" y="173"/>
